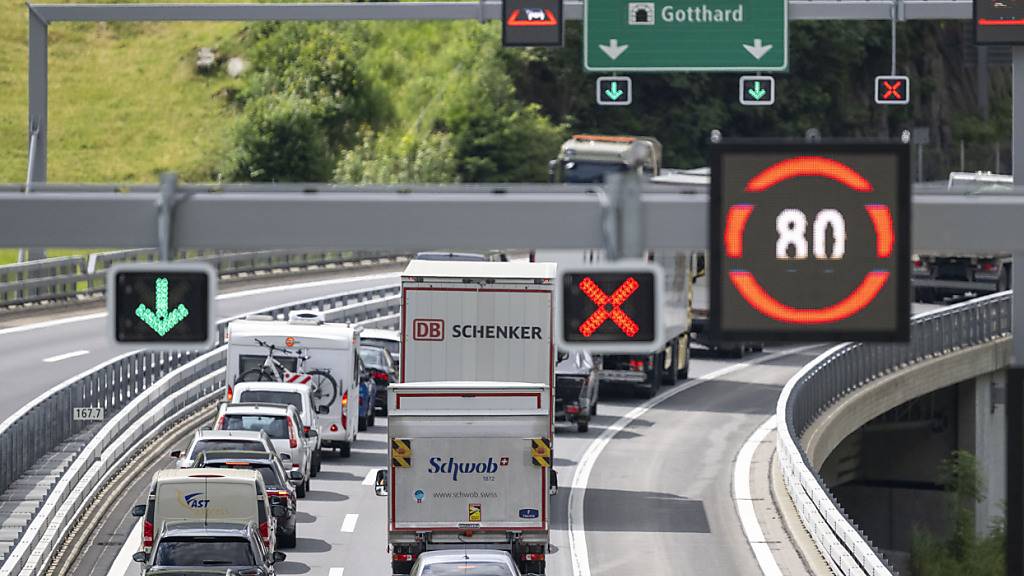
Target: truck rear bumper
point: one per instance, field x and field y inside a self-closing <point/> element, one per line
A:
<point x="629" y="376"/>
<point x="982" y="285"/>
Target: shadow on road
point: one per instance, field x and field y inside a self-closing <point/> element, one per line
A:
<point x="287" y="567"/>
<point x="628" y="511"/>
<point x="323" y="496"/>
<point x="304" y="518"/>
<point x="335" y="476"/>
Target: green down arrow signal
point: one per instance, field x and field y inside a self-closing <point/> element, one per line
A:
<point x="161" y="321"/>
<point x="757" y="92"/>
<point x="614" y="92"/>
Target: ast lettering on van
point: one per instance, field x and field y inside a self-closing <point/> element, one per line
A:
<point x="496" y="332"/>
<point x="427" y="329"/>
<point x="195" y="500"/>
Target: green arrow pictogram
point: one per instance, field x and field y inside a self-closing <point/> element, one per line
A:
<point x="757" y="92"/>
<point x="161" y="321"/>
<point x="614" y="92"/>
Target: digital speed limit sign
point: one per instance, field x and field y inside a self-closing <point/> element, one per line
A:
<point x="810" y="241"/>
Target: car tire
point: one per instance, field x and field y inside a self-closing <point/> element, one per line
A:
<point x="582" y="426"/>
<point x="300" y="490"/>
<point x="345" y="449"/>
<point x="288" y="540"/>
<point x="593" y="409"/>
<point x="371" y="420"/>
<point x="316" y="462"/>
<point x="401" y="567"/>
<point x="306" y="484"/>
<point x="362" y="423"/>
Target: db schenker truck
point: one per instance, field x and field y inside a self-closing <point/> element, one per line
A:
<point x="477" y="373"/>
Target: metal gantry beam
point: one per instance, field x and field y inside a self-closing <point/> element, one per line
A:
<point x="313" y="216"/>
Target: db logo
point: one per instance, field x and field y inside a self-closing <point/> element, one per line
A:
<point x="427" y="329"/>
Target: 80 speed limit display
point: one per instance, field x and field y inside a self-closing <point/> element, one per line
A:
<point x="810" y="241"/>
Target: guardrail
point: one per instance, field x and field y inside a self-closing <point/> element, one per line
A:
<point x="832" y="376"/>
<point x="128" y="386"/>
<point x="70" y="278"/>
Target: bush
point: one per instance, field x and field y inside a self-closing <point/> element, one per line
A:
<point x="387" y="159"/>
<point x="279" y="139"/>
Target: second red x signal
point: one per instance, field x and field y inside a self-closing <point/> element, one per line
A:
<point x="892" y="90"/>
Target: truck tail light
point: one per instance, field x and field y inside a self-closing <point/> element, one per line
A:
<point x="636" y="365"/>
<point x="403" y="557"/>
<point x="293" y="442"/>
<point x="571" y="409"/>
<point x="533" y="557"/>
<point x="344" y="410"/>
<point x="305" y="430"/>
<point x="988" y="266"/>
<point x="147" y="534"/>
<point x="265" y="533"/>
<point x="231" y="393"/>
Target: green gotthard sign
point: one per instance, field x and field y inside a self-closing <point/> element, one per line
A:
<point x="670" y="35"/>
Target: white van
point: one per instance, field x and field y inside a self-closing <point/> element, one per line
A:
<point x="305" y="350"/>
<point x="207" y="495"/>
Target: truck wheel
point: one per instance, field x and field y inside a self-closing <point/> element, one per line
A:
<point x="1003" y="282"/>
<point x="401" y="567"/>
<point x="684" y="367"/>
<point x="671" y="363"/>
<point x="362" y="423"/>
<point x="288" y="540"/>
<point x="582" y="426"/>
<point x="653" y="379"/>
<point x="533" y="567"/>
<point x="345" y="449"/>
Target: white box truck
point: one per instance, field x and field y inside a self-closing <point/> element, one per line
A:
<point x="469" y="468"/>
<point x="320" y="354"/>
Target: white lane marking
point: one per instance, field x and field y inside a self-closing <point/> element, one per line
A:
<point x="371" y="477"/>
<point x="577" y="530"/>
<point x="229" y="296"/>
<point x="60" y="357"/>
<point x="745" y="503"/>
<point x="49" y="323"/>
<point x="349" y="523"/>
<point x="131" y="545"/>
<point x="336" y="572"/>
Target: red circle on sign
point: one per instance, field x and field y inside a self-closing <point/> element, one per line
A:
<point x="748" y="286"/>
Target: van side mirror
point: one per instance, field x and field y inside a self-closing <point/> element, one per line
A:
<point x="295" y="475"/>
<point x="312" y="433"/>
<point x="285" y="456"/>
<point x="139" y="510"/>
<point x="139" y="556"/>
<point x="380" y="484"/>
<point x="176" y="454"/>
<point x="562" y="356"/>
<point x="278" y="511"/>
<point x="323" y="410"/>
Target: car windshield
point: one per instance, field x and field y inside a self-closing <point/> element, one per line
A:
<point x="207" y="445"/>
<point x="466" y="569"/>
<point x="272" y="397"/>
<point x="582" y="172"/>
<point x="247" y="362"/>
<point x="390" y="345"/>
<point x="270" y="477"/>
<point x="204" y="551"/>
<point x="374" y="357"/>
<point x="275" y="426"/>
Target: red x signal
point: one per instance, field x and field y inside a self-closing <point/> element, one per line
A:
<point x="892" y="90"/>
<point x="609" y="307"/>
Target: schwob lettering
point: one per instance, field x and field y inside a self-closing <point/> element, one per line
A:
<point x="455" y="468"/>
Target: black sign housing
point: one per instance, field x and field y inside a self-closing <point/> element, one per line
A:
<point x="133" y="291"/>
<point x="578" y="305"/>
<point x="810" y="241"/>
<point x="998" y="22"/>
<point x="531" y="23"/>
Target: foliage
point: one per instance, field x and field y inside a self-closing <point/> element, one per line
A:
<point x="388" y="158"/>
<point x="279" y="138"/>
<point x="963" y="553"/>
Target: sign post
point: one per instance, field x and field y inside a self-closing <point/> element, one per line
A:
<point x="623" y="36"/>
<point x="810" y="241"/>
<point x="162" y="305"/>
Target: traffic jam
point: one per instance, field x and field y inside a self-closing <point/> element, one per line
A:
<point x="468" y="389"/>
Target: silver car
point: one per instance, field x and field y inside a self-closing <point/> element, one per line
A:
<point x="283" y="423"/>
<point x="203" y="440"/>
<point x="465" y="563"/>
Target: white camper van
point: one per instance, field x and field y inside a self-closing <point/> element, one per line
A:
<point x="303" y="350"/>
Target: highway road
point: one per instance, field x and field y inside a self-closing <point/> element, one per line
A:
<point x="38" y="356"/>
<point x="656" y="498"/>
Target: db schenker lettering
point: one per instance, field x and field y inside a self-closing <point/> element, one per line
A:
<point x="492" y="331"/>
<point x="453" y="467"/>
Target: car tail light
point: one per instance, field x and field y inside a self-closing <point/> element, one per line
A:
<point x="636" y="365"/>
<point x="147" y="534"/>
<point x="220" y="423"/>
<point x="334" y="427"/>
<point x="572" y="409"/>
<point x="231" y="393"/>
<point x="265" y="532"/>
<point x="293" y="442"/>
<point x="403" y="557"/>
<point x="378" y="375"/>
<point x="278" y="493"/>
<point x="305" y="430"/>
<point x="533" y="557"/>
<point x="344" y="410"/>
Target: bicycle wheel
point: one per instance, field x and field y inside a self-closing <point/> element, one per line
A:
<point x="325" y="388"/>
<point x="258" y="374"/>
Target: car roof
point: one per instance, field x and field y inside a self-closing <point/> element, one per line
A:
<point x="229" y="435"/>
<point x="198" y="474"/>
<point x="475" y="555"/>
<point x="190" y="528"/>
<point x="237" y="455"/>
<point x="513" y="271"/>
<point x="272" y="387"/>
<point x="460" y="256"/>
<point x="380" y="334"/>
<point x="178" y="570"/>
<point x="258" y="408"/>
